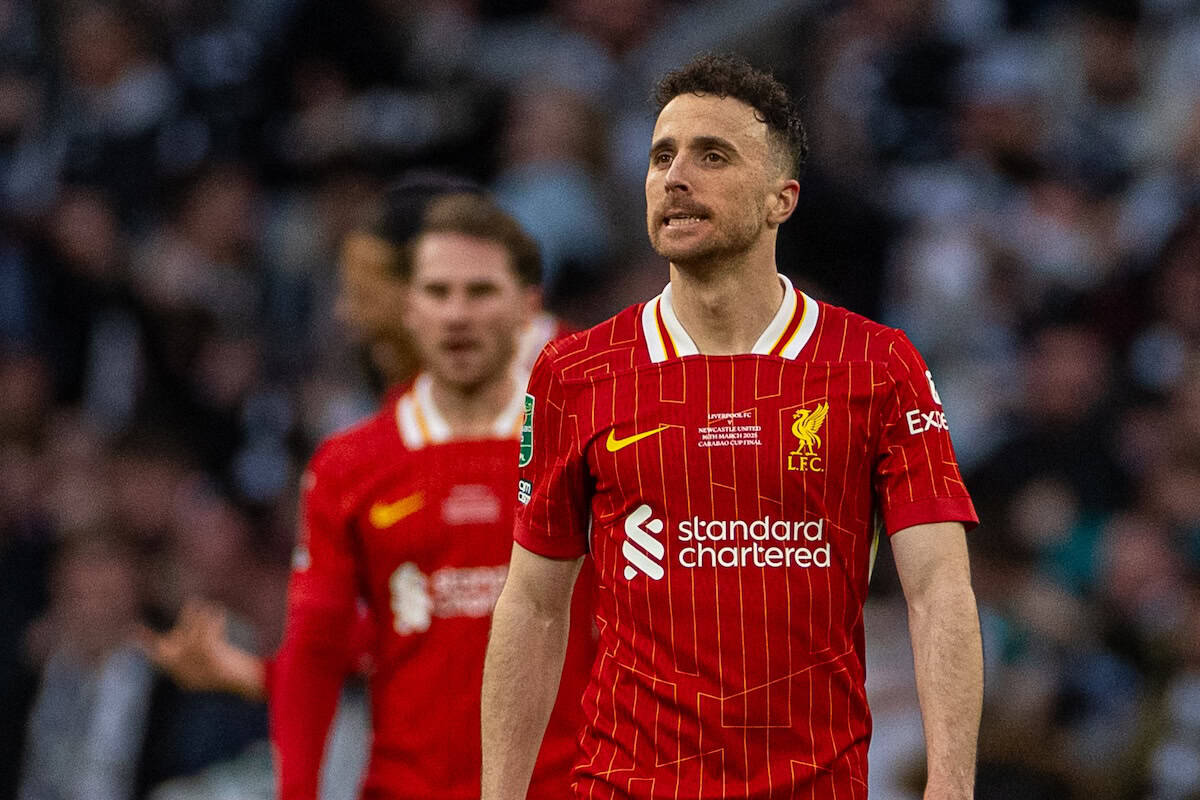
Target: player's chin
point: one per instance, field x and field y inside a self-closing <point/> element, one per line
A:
<point x="682" y="252"/>
<point x="464" y="370"/>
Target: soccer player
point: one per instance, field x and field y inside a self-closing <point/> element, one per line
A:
<point x="407" y="512"/>
<point x="369" y="293"/>
<point x="412" y="514"/>
<point x="724" y="453"/>
<point x="370" y="302"/>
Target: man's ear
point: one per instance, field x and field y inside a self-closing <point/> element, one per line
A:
<point x="531" y="301"/>
<point x="783" y="202"/>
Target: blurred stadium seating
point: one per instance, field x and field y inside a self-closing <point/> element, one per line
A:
<point x="1014" y="182"/>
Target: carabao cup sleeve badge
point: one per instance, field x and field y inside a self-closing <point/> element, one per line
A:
<point x="527" y="434"/>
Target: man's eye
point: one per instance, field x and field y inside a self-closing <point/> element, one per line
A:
<point x="662" y="158"/>
<point x="713" y="157"/>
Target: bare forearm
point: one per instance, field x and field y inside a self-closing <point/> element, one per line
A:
<point x="520" y="680"/>
<point x="947" y="653"/>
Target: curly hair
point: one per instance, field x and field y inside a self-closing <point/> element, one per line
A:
<point x="731" y="75"/>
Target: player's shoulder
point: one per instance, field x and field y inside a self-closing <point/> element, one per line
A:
<point x="349" y="453"/>
<point x="616" y="344"/>
<point x="845" y="335"/>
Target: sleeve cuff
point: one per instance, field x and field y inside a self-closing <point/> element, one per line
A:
<point x="937" y="509"/>
<point x="545" y="545"/>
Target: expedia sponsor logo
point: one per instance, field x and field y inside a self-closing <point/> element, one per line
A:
<point x="806" y="427"/>
<point x="921" y="421"/>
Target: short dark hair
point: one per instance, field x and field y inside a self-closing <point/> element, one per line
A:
<point x="397" y="215"/>
<point x="477" y="216"/>
<point x="405" y="201"/>
<point x="731" y="75"/>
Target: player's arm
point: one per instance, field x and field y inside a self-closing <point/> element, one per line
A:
<point x="523" y="666"/>
<point x="943" y="622"/>
<point x="198" y="655"/>
<point x="312" y="662"/>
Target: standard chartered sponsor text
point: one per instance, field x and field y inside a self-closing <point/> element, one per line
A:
<point x="763" y="542"/>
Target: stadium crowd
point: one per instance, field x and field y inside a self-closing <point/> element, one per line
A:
<point x="1016" y="183"/>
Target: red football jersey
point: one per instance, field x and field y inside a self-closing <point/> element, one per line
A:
<point x="417" y="525"/>
<point x="730" y="506"/>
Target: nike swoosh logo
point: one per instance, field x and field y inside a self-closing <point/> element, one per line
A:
<point x="614" y="444"/>
<point x="385" y="515"/>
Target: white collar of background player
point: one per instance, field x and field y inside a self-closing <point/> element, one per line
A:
<point x="421" y="423"/>
<point x="785" y="336"/>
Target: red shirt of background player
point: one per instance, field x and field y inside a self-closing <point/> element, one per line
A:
<point x="419" y="526"/>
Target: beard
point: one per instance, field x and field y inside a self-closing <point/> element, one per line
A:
<point x="723" y="242"/>
<point x="469" y="375"/>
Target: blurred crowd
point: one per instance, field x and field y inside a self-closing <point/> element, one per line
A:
<point x="1016" y="183"/>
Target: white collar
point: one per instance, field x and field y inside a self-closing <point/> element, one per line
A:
<point x="421" y="423"/>
<point x="784" y="336"/>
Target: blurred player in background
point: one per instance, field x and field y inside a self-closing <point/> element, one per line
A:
<point x="369" y="292"/>
<point x="725" y="453"/>
<point x="409" y="513"/>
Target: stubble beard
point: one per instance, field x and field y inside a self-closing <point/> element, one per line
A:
<point x="712" y="255"/>
<point x="491" y="366"/>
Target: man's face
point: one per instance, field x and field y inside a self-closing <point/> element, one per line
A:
<point x="709" y="180"/>
<point x="466" y="308"/>
<point x="371" y="301"/>
<point x="368" y="293"/>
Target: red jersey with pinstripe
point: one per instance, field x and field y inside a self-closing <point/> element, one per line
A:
<point x="730" y="505"/>
<point x="402" y="516"/>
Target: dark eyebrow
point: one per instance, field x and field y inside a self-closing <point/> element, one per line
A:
<point x="666" y="141"/>
<point x="713" y="142"/>
<point x="698" y="142"/>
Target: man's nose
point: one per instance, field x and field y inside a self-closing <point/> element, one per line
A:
<point x="456" y="307"/>
<point x="678" y="177"/>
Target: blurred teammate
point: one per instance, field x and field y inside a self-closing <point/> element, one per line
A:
<point x="724" y="452"/>
<point x="370" y="292"/>
<point x="411" y="513"/>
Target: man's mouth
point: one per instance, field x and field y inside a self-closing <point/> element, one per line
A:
<point x="457" y="346"/>
<point x="682" y="220"/>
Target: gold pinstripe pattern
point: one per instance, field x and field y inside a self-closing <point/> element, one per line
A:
<point x="749" y="670"/>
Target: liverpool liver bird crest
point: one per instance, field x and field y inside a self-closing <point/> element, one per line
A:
<point x="805" y="429"/>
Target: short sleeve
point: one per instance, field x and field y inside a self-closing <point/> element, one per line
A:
<point x="917" y="478"/>
<point x="323" y="565"/>
<point x="553" y="484"/>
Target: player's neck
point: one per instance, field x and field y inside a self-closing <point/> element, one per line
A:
<point x="726" y="310"/>
<point x="471" y="411"/>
